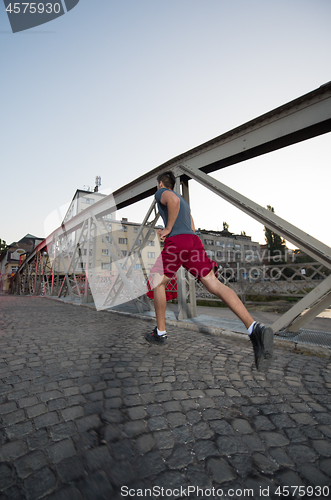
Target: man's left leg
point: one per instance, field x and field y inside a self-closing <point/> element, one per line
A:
<point x="261" y="336"/>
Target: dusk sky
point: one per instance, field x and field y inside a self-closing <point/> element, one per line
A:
<point x="116" y="88"/>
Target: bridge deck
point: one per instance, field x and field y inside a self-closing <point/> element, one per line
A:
<point x="88" y="407"/>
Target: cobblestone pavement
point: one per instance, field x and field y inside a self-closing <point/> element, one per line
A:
<point x="88" y="409"/>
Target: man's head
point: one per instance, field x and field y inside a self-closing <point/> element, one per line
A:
<point x="168" y="180"/>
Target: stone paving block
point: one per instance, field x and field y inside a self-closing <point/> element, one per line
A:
<point x="12" y="450"/>
<point x="253" y="442"/>
<point x="37" y="485"/>
<point x="61" y="450"/>
<point x="135" y="428"/>
<point x="8" y="408"/>
<point x="242" y="426"/>
<point x="72" y="413"/>
<point x="204" y="449"/>
<point x="30" y="463"/>
<point x="322" y="447"/>
<point x="145" y="443"/>
<point x="37" y="440"/>
<point x="264" y="464"/>
<point x="97" y="458"/>
<point x="242" y="464"/>
<point x="19" y="431"/>
<point x="67" y="493"/>
<point x="301" y="454"/>
<point x="314" y="476"/>
<point x="164" y="440"/>
<point x="220" y="470"/>
<point x="202" y="430"/>
<point x="180" y="458"/>
<point x="176" y="419"/>
<point x="13" y="418"/>
<point x="136" y="413"/>
<point x="70" y="469"/>
<point x="6" y="477"/>
<point x="290" y="478"/>
<point x="46" y="420"/>
<point x="222" y="427"/>
<point x="62" y="431"/>
<point x="295" y="436"/>
<point x="230" y="445"/>
<point x="274" y="439"/>
<point x="157" y="423"/>
<point x="96" y="486"/>
<point x="49" y="395"/>
<point x="150" y="464"/>
<point x="88" y="422"/>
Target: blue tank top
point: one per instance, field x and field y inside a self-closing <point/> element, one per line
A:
<point x="183" y="222"/>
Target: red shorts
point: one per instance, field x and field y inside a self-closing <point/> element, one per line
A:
<point x="184" y="250"/>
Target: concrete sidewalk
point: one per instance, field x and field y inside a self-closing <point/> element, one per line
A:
<point x="90" y="411"/>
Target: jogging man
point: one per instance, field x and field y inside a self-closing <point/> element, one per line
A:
<point x="183" y="247"/>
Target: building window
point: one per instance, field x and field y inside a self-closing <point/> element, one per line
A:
<point x="229" y="245"/>
<point x="219" y="243"/>
<point x="237" y="246"/>
<point x="246" y="247"/>
<point x="151" y="255"/>
<point x="124" y="253"/>
<point x="105" y="251"/>
<point x="150" y="243"/>
<point x="88" y="201"/>
<point x="209" y="242"/>
<point x="137" y="266"/>
<point x="122" y="228"/>
<point x="210" y="253"/>
<point x="135" y="229"/>
<point x="123" y="241"/>
<point x="105" y="265"/>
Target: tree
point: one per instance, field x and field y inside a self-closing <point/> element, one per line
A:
<point x="3" y="246"/>
<point x="225" y="226"/>
<point x="276" y="244"/>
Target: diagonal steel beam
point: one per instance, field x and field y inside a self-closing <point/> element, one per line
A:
<point x="312" y="246"/>
<point x="311" y="314"/>
<point x="311" y="298"/>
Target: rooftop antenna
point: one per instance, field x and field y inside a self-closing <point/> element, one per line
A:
<point x="97" y="183"/>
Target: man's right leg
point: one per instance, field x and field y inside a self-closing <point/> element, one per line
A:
<point x="158" y="335"/>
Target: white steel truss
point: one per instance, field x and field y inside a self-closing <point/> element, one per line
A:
<point x="298" y="120"/>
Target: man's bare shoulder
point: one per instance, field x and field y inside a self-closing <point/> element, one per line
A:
<point x="169" y="196"/>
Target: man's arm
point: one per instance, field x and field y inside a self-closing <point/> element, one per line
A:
<point x="192" y="224"/>
<point x="172" y="202"/>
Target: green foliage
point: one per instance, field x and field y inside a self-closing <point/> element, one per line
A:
<point x="3" y="246"/>
<point x="225" y="226"/>
<point x="276" y="244"/>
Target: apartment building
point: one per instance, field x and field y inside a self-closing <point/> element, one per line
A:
<point x="228" y="249"/>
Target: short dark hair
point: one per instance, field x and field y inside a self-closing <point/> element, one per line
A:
<point x="168" y="179"/>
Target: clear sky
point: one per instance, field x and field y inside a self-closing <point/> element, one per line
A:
<point x="117" y="87"/>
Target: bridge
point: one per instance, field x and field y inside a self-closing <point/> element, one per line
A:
<point x="53" y="268"/>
